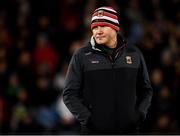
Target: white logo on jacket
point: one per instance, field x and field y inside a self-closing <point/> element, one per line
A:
<point x="94" y="61"/>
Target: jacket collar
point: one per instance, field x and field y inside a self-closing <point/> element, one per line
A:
<point x="93" y="43"/>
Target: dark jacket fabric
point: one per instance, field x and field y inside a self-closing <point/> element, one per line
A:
<point x="108" y="92"/>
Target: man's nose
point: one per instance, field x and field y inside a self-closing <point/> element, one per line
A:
<point x="99" y="29"/>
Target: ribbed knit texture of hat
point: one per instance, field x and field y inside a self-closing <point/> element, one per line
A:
<point x="105" y="16"/>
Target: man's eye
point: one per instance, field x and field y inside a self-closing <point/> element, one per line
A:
<point x="95" y="28"/>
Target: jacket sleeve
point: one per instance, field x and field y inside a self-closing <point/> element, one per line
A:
<point x="144" y="89"/>
<point x="72" y="90"/>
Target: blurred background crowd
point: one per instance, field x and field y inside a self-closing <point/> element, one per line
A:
<point x="37" y="39"/>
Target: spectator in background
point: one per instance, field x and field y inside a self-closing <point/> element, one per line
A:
<point x="24" y="69"/>
<point x="107" y="86"/>
<point x="43" y="99"/>
<point x="3" y="69"/>
<point x="59" y="80"/>
<point x="5" y="37"/>
<point x="176" y="87"/>
<point x="20" y="119"/>
<point x="134" y="16"/>
<point x="45" y="54"/>
<point x="3" y="115"/>
<point x="13" y="88"/>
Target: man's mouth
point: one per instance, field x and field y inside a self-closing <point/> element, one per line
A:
<point x="100" y="37"/>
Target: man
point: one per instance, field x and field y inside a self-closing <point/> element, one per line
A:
<point x="107" y="86"/>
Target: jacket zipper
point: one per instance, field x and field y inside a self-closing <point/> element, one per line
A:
<point x="114" y="96"/>
<point x="112" y="62"/>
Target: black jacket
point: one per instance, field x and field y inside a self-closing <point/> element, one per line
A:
<point x="108" y="92"/>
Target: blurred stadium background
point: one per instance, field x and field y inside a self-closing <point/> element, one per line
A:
<point x="37" y="39"/>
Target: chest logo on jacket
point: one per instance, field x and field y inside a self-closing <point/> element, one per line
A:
<point x="128" y="60"/>
<point x="94" y="61"/>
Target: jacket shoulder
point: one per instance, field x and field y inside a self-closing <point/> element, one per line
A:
<point x="84" y="49"/>
<point x="132" y="48"/>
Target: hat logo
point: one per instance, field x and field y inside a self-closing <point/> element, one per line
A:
<point x="100" y="13"/>
<point x="128" y="60"/>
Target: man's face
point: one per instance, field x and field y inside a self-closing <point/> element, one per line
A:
<point x="104" y="34"/>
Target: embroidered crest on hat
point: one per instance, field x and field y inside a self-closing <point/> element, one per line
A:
<point x="100" y="13"/>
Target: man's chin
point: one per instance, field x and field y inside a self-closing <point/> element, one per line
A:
<point x="100" y="42"/>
